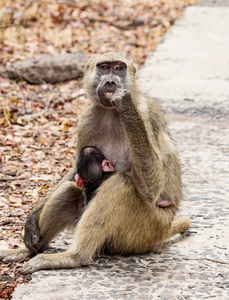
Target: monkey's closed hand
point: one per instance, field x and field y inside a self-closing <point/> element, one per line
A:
<point x="119" y="97"/>
<point x="33" y="241"/>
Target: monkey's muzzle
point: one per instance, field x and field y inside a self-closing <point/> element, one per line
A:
<point x="109" y="84"/>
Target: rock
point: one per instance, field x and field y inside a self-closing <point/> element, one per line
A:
<point x="47" y="68"/>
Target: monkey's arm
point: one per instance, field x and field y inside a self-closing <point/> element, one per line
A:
<point x="32" y="238"/>
<point x="147" y="167"/>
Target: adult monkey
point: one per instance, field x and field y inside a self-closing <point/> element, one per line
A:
<point x="134" y="209"/>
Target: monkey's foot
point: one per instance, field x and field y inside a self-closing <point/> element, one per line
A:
<point x="179" y="224"/>
<point x="14" y="255"/>
<point x="51" y="261"/>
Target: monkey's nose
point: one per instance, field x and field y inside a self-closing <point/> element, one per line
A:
<point x="111" y="85"/>
<point x="110" y="82"/>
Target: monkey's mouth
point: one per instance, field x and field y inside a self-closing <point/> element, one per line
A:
<point x="108" y="94"/>
<point x="105" y="97"/>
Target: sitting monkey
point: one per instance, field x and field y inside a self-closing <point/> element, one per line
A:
<point x="93" y="168"/>
<point x="132" y="210"/>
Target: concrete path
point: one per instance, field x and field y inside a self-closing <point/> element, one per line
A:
<point x="189" y="73"/>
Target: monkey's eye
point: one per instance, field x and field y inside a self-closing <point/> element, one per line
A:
<point x="119" y="68"/>
<point x="104" y="67"/>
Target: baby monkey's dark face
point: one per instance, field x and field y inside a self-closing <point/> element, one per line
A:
<point x="91" y="166"/>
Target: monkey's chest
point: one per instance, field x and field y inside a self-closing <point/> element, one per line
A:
<point x="110" y="137"/>
<point x="116" y="149"/>
<point x="119" y="154"/>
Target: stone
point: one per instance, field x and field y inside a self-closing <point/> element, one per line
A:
<point x="47" y="68"/>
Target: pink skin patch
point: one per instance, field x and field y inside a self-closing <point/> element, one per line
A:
<point x="79" y="180"/>
<point x="107" y="166"/>
<point x="164" y="202"/>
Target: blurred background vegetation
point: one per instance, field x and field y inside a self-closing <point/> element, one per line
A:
<point x="131" y="27"/>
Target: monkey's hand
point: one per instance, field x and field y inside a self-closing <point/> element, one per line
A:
<point x="119" y="97"/>
<point x="80" y="181"/>
<point x="33" y="241"/>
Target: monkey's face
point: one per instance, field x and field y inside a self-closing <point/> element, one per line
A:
<point x="107" y="74"/>
<point x="112" y="77"/>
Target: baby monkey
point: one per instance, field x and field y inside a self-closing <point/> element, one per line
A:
<point x="93" y="168"/>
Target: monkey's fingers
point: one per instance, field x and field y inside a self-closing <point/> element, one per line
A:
<point x="119" y="96"/>
<point x="34" y="242"/>
<point x="32" y="237"/>
<point x="39" y="246"/>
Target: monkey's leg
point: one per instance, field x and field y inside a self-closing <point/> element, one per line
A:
<point x="106" y="210"/>
<point x="32" y="238"/>
<point x="115" y="218"/>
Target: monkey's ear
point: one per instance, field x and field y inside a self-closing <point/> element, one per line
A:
<point x="88" y="64"/>
<point x="133" y="65"/>
<point x="134" y="69"/>
<point x="107" y="166"/>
